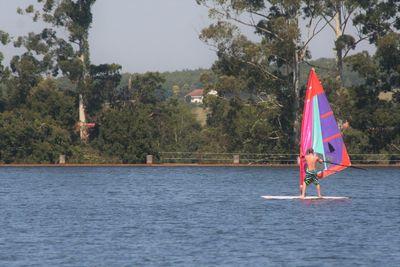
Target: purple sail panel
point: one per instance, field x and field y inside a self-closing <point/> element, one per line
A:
<point x="334" y="150"/>
<point x="333" y="143"/>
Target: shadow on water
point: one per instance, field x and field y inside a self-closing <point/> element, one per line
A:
<point x="324" y="201"/>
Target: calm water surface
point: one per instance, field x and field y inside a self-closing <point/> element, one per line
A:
<point x="195" y="216"/>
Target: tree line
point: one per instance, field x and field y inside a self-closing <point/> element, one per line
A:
<point x="260" y="85"/>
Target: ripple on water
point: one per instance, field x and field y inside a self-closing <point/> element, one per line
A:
<point x="195" y="217"/>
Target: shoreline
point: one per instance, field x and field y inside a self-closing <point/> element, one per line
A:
<point x="175" y="165"/>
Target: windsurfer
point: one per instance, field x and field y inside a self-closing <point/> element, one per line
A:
<point x="311" y="172"/>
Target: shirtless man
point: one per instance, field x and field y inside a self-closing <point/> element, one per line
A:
<point x="311" y="172"/>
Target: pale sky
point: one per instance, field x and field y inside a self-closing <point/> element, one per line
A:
<point x="143" y="35"/>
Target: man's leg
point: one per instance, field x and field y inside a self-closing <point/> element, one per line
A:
<point x="303" y="193"/>
<point x="319" y="190"/>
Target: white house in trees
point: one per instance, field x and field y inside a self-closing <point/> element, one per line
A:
<point x="197" y="95"/>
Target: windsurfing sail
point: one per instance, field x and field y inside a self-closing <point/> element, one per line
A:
<point x="320" y="131"/>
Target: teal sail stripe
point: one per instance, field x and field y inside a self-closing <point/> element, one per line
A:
<point x="318" y="144"/>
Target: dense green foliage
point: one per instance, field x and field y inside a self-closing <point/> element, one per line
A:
<point x="256" y="108"/>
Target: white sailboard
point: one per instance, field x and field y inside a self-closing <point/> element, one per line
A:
<point x="306" y="198"/>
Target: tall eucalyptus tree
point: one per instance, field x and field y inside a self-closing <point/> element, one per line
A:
<point x="72" y="57"/>
<point x="282" y="47"/>
<point x="354" y="21"/>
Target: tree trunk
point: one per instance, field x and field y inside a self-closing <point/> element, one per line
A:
<point x="83" y="84"/>
<point x="339" y="55"/>
<point x="297" y="58"/>
<point x="83" y="131"/>
<point x="296" y="98"/>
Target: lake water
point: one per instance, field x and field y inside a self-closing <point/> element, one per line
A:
<point x="195" y="216"/>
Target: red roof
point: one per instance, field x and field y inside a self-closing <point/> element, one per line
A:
<point x="196" y="92"/>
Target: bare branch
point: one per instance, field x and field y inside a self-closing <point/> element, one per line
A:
<point x="346" y="20"/>
<point x="315" y="32"/>
<point x="329" y="21"/>
<point x="227" y="15"/>
<point x="266" y="73"/>
<point x="357" y="42"/>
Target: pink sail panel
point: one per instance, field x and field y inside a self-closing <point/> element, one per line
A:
<point x="319" y="130"/>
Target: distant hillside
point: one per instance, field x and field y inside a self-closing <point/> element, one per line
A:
<point x="325" y="68"/>
<point x="186" y="80"/>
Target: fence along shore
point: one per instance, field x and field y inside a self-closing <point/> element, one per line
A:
<point x="222" y="159"/>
